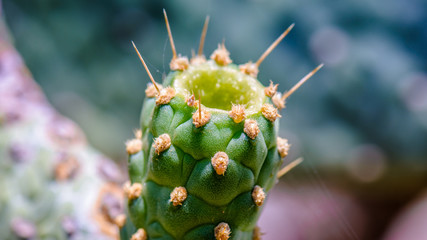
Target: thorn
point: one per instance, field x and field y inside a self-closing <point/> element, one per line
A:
<point x="203" y="36"/>
<point x="170" y="34"/>
<point x="289" y="167"/>
<point x="146" y="68"/>
<point x="302" y="81"/>
<point x="274" y="45"/>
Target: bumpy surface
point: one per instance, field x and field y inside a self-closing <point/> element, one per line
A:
<point x="218" y="190"/>
<point x="207" y="152"/>
<point x="53" y="184"/>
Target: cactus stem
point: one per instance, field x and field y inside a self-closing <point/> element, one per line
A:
<point x="178" y="195"/>
<point x="203" y="36"/>
<point x="251" y="128"/>
<point x="258" y="195"/>
<point x="221" y="55"/>
<point x="120" y="220"/>
<point x="289" y="167"/>
<point x="162" y="143"/>
<point x="146" y="68"/>
<point x="302" y="81"/>
<point x="132" y="191"/>
<point x="139" y="235"/>
<point x="170" y="34"/>
<point x="133" y="146"/>
<point x="270" y="112"/>
<point x="271" y="90"/>
<point x="222" y="231"/>
<point x="220" y="162"/>
<point x="237" y="113"/>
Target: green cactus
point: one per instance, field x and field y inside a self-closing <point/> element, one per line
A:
<point x="53" y="184"/>
<point x="201" y="169"/>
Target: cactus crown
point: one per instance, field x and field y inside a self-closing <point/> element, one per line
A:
<point x="209" y="152"/>
<point x="220" y="86"/>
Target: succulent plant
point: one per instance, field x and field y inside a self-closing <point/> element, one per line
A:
<point x="53" y="184"/>
<point x="207" y="152"/>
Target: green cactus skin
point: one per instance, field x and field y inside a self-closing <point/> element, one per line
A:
<point x="201" y="169"/>
<point x="212" y="198"/>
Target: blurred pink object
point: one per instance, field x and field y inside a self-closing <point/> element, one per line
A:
<point x="311" y="213"/>
<point x="411" y="223"/>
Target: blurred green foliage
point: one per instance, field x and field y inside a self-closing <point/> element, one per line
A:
<point x="370" y="101"/>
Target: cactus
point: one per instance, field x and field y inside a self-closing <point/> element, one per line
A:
<point x="53" y="184"/>
<point x="207" y="152"/>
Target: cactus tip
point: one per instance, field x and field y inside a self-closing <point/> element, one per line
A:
<point x="258" y="195"/>
<point x="249" y="68"/>
<point x="220" y="162"/>
<point x="133" y="146"/>
<point x="270" y="112"/>
<point x="137" y="133"/>
<point x="178" y="195"/>
<point x="271" y="90"/>
<point x="256" y="234"/>
<point x="222" y="231"/>
<point x="221" y="55"/>
<point x="165" y="96"/>
<point x="162" y="143"/>
<point x="191" y="100"/>
<point x="283" y="146"/>
<point x="251" y="128"/>
<point x="132" y="191"/>
<point x="120" y="220"/>
<point x="237" y="113"/>
<point x="139" y="235"/>
<point x="277" y="101"/>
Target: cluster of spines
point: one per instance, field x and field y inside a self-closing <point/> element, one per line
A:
<point x="202" y="116"/>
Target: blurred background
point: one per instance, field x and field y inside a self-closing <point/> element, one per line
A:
<point x="360" y="123"/>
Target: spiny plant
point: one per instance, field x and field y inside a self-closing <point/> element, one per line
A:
<point x="207" y="152"/>
<point x="53" y="184"/>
